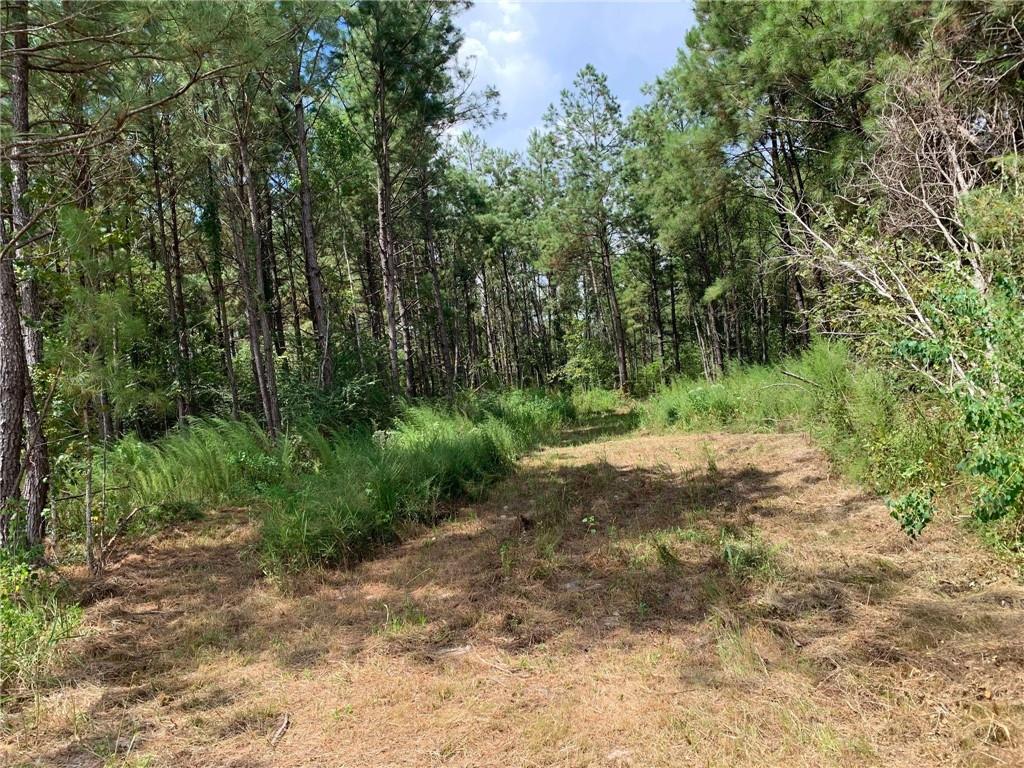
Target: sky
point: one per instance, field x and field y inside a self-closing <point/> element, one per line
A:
<point x="531" y="49"/>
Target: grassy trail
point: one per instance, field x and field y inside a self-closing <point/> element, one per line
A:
<point x="622" y="600"/>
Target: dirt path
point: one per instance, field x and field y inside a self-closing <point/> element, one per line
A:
<point x="586" y="614"/>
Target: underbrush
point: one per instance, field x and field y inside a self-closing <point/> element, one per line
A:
<point x="593" y="402"/>
<point x="897" y="441"/>
<point x="324" y="497"/>
<point x="33" y="620"/>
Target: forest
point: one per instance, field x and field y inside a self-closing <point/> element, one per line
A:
<point x="273" y="311"/>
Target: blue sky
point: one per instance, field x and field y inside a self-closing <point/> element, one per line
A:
<point x="531" y="50"/>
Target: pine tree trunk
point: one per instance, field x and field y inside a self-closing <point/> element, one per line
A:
<point x="177" y="284"/>
<point x="13" y="378"/>
<point x="293" y="296"/>
<point x="262" y="335"/>
<point x="441" y="323"/>
<point x="385" y="235"/>
<point x="168" y="269"/>
<point x="618" y="333"/>
<point x="36" y="471"/>
<point x="314" y="277"/>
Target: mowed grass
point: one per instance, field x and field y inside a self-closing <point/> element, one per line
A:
<point x="649" y="600"/>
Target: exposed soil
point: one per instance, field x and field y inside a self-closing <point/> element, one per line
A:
<point x="585" y="614"/>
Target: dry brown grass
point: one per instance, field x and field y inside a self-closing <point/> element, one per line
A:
<point x="582" y="616"/>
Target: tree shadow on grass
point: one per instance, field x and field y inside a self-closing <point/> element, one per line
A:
<point x="600" y="426"/>
<point x="561" y="558"/>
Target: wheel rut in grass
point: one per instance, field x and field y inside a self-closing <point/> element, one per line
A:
<point x="641" y="600"/>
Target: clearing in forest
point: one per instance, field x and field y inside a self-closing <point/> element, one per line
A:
<point x="689" y="600"/>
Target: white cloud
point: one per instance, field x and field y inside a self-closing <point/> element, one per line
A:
<point x="505" y="48"/>
<point x="472" y="48"/>
<point x="507" y="36"/>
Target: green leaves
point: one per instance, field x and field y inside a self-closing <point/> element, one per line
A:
<point x="913" y="511"/>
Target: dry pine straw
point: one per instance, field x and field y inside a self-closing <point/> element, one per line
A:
<point x="583" y="615"/>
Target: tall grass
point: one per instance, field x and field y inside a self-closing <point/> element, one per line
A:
<point x="367" y="485"/>
<point x="890" y="439"/>
<point x="33" y="619"/>
<point x="595" y="402"/>
<point x="323" y="498"/>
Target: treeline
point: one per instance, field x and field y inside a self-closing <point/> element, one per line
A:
<point x="280" y="209"/>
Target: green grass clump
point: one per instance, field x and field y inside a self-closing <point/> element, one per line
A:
<point x="747" y="555"/>
<point x="33" y="619"/>
<point x="203" y="464"/>
<point x="593" y="402"/>
<point x="364" y="486"/>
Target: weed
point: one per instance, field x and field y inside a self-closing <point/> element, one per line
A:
<point x="668" y="559"/>
<point x="405" y="618"/>
<point x="506" y="552"/>
<point x="33" y="620"/>
<point x="710" y="457"/>
<point x="747" y="555"/>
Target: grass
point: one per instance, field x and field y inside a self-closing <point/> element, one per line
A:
<point x="891" y="440"/>
<point x="33" y="620"/>
<point x="593" y="402"/>
<point x="747" y="555"/>
<point x="324" y="499"/>
<point x="321" y="499"/>
<point x="428" y="651"/>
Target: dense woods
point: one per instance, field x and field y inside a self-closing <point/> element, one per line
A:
<point x="281" y="211"/>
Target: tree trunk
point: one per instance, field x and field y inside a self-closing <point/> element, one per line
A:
<point x="255" y="280"/>
<point x="177" y="280"/>
<point x="215" y="275"/>
<point x="13" y="379"/>
<point x="314" y="278"/>
<point x="659" y="326"/>
<point x="385" y="235"/>
<point x="613" y="300"/>
<point x="441" y="323"/>
<point x="36" y="474"/>
<point x="271" y="281"/>
<point x="293" y="297"/>
<point x="168" y="269"/>
<point x="672" y="314"/>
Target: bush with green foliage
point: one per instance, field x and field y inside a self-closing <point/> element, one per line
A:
<point x="355" y="400"/>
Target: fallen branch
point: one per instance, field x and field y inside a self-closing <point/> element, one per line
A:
<point x="798" y="377"/>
